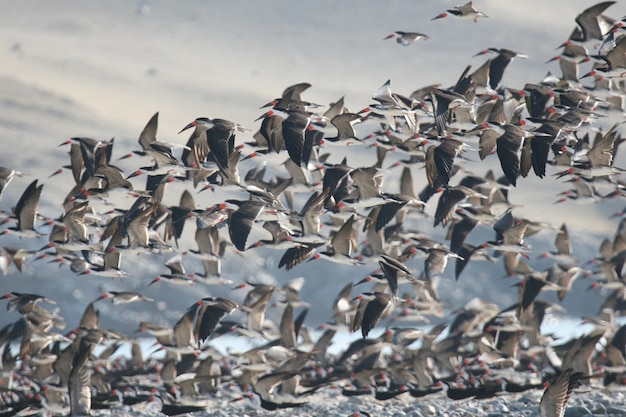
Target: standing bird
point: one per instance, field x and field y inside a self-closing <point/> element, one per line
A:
<point x="466" y="11"/>
<point x="407" y="38"/>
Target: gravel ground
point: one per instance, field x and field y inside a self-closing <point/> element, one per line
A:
<point x="330" y="402"/>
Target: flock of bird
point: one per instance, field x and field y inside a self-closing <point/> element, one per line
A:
<point x="314" y="210"/>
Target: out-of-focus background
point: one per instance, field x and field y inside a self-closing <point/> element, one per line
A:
<point x="102" y="69"/>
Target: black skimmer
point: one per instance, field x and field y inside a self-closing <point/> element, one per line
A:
<point x="267" y="395"/>
<point x="592" y="25"/>
<point x="93" y="263"/>
<point x="564" y="276"/>
<point x="443" y="102"/>
<point x="281" y="236"/>
<point x="292" y="290"/>
<point x="241" y="220"/>
<point x="255" y="305"/>
<point x="146" y="137"/>
<point x="372" y="307"/>
<point x="440" y="160"/>
<point x="79" y="385"/>
<point x="582" y="190"/>
<point x="487" y="139"/>
<point x="437" y="260"/>
<point x="472" y="317"/>
<point x="176" y="217"/>
<point x="26" y="212"/>
<point x="498" y="64"/>
<point x="209" y="311"/>
<point x="510" y="231"/>
<point x="539" y="145"/>
<point x="573" y="51"/>
<point x="460" y="229"/>
<point x="257" y="291"/>
<point x="555" y="397"/>
<point x="531" y="285"/>
<point x="291" y="94"/>
<point x="342" y="306"/>
<point x="17" y="256"/>
<point x="123" y="297"/>
<point x="466" y="11"/>
<point x="220" y="137"/>
<point x="391" y="105"/>
<point x="88" y="155"/>
<point x="393" y="270"/>
<point x="300" y="135"/>
<point x="90" y="318"/>
<point x="183" y="334"/>
<point x="344" y="123"/>
<point x="569" y="59"/>
<point x="177" y="273"/>
<point x="335" y="109"/>
<point x="450" y="198"/>
<point x="6" y="175"/>
<point x="609" y="40"/>
<point x="509" y="148"/>
<point x="162" y="154"/>
<point x="298" y="253"/>
<point x="208" y="239"/>
<point x="563" y="245"/>
<point x="539" y="99"/>
<point x="341" y="245"/>
<point x="336" y="182"/>
<point x="368" y="181"/>
<point x="407" y="38"/>
<point x="271" y="132"/>
<point x="22" y="302"/>
<point x="598" y="160"/>
<point x="575" y="98"/>
<point x="614" y="62"/>
<point x="164" y="335"/>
